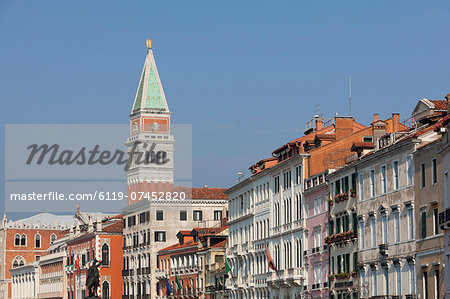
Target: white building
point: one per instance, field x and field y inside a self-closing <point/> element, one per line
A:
<point x="266" y="208"/>
<point x="25" y="281"/>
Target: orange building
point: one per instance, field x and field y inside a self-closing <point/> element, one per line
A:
<point x="25" y="241"/>
<point x="179" y="262"/>
<point x="101" y="241"/>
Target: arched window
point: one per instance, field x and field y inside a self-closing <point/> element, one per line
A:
<point x="105" y="290"/>
<point x="17" y="240"/>
<point x="18" y="261"/>
<point x="23" y="240"/>
<point x="105" y="255"/>
<point x="52" y="238"/>
<point x="37" y="241"/>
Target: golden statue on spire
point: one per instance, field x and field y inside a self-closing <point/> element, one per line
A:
<point x="149" y="43"/>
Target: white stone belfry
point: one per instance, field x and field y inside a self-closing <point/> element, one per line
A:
<point x="150" y="144"/>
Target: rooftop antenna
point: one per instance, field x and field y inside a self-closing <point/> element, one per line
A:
<point x="317" y="109"/>
<point x="240" y="176"/>
<point x="350" y="96"/>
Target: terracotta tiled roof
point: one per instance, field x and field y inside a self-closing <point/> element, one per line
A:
<point x="178" y="246"/>
<point x="362" y="145"/>
<point x="220" y="244"/>
<point x="116" y="227"/>
<point x="203" y="193"/>
<point x="185" y="232"/>
<point x="331" y="136"/>
<point x="439" y="104"/>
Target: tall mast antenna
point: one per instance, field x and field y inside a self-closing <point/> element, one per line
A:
<point x="350" y="96"/>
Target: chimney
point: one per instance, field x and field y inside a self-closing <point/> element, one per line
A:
<point x="90" y="225"/>
<point x="343" y="126"/>
<point x="99" y="227"/>
<point x="395" y="122"/>
<point x="71" y="232"/>
<point x="375" y="117"/>
<point x="319" y="122"/>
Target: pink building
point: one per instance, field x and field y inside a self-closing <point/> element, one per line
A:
<point x="316" y="229"/>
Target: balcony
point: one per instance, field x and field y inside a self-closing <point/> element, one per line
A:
<point x="444" y="219"/>
<point x="124" y="273"/>
<point x="383" y="249"/>
<point x="160" y="273"/>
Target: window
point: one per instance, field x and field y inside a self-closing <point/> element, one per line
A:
<point x="386" y="280"/>
<point x="197" y="215"/>
<point x="385" y="229"/>
<point x="435" y="221"/>
<point x="383" y="178"/>
<point x="217" y="215"/>
<point x="361" y="234"/>
<point x="422" y="175"/>
<point x="37" y="258"/>
<point x="398" y="274"/>
<point x="159" y="215"/>
<point x="411" y="223"/>
<point x="37" y="241"/>
<point x="276" y="185"/>
<point x="338" y="187"/>
<point x="425" y="284"/>
<point x="160" y="236"/>
<point x="374" y="281"/>
<point x="105" y="290"/>
<point x="372" y="183"/>
<point x="105" y="255"/>
<point x="367" y="139"/>
<point x="355" y="261"/>
<point x="331" y="227"/>
<point x="183" y="215"/>
<point x="424" y="224"/>
<point x="23" y="240"/>
<point x="53" y="237"/>
<point x="412" y="278"/>
<point x="436" y="283"/>
<point x="433" y="171"/>
<point x="397" y="225"/>
<point x="354" y="223"/>
<point x="395" y="170"/>
<point x="409" y="169"/>
<point x="373" y="231"/>
<point x="17" y="240"/>
<point x="361" y="187"/>
<point x="298" y="175"/>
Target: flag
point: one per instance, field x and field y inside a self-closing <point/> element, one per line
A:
<point x="270" y="260"/>
<point x="188" y="282"/>
<point x="227" y="266"/>
<point x="168" y="287"/>
<point x="178" y="283"/>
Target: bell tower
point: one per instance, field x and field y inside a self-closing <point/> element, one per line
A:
<point x="150" y="145"/>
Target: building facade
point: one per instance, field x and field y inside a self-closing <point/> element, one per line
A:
<point x="25" y="241"/>
<point x="428" y="182"/>
<point x="342" y="239"/>
<point x="101" y="241"/>
<point x="316" y="230"/>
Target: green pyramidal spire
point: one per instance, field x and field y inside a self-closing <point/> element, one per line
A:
<point x="150" y="94"/>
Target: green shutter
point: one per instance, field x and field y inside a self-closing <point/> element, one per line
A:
<point x="346" y="184"/>
<point x="338" y="225"/>
<point x="355" y="223"/>
<point x="424" y="224"/>
<point x="354" y="181"/>
<point x="339" y="264"/>
<point x="355" y="261"/>
<point x="347" y="263"/>
<point x="331" y="227"/>
<point x="338" y="187"/>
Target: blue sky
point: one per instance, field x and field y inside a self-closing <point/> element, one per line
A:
<point x="247" y="76"/>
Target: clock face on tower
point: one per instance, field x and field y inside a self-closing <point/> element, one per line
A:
<point x="155" y="127"/>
